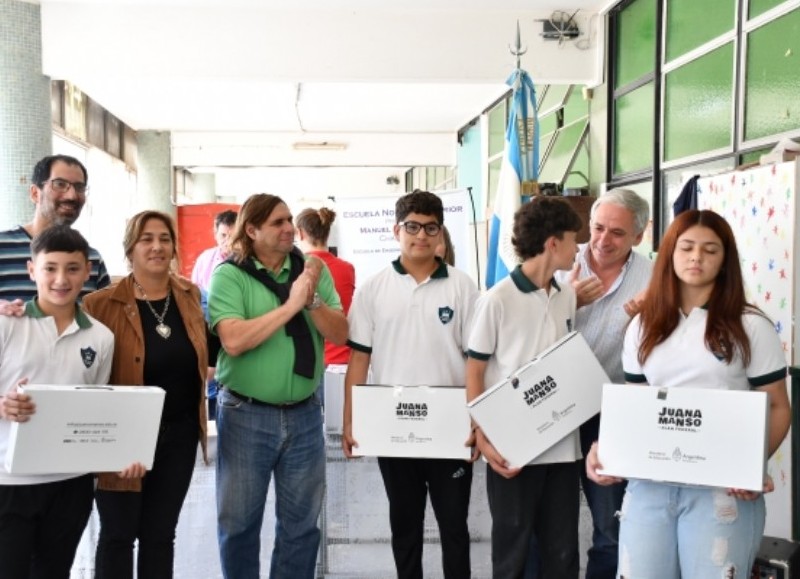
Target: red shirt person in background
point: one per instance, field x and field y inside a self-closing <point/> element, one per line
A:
<point x="313" y="229"/>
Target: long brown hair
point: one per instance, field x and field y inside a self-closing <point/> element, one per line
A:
<point x="660" y="312"/>
<point x="255" y="211"/>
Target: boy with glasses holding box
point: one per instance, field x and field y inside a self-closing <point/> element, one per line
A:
<point x="411" y="322"/>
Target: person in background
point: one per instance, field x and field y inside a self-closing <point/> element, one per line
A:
<point x="695" y="329"/>
<point x="410" y="321"/>
<point x="161" y="340"/>
<point x="608" y="278"/>
<point x="209" y="259"/>
<point x="201" y="276"/>
<point x="59" y="186"/>
<point x="272" y="308"/>
<point x="313" y="229"/>
<point x="42" y="517"/>
<point x="444" y="248"/>
<point x="518" y="318"/>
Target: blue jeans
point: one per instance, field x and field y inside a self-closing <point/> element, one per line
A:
<point x="254" y="443"/>
<point x="604" y="503"/>
<point x="680" y="532"/>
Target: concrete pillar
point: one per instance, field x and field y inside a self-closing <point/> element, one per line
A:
<point x="26" y="132"/>
<point x="154" y="172"/>
<point x="204" y="188"/>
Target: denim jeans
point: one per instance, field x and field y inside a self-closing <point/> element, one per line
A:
<point x="680" y="532"/>
<point x="604" y="503"/>
<point x="255" y="443"/>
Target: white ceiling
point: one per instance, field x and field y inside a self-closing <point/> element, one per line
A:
<point x="237" y="82"/>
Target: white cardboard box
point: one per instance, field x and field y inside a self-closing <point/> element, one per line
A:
<point x="693" y="436"/>
<point x="80" y="429"/>
<point x="334" y="397"/>
<point x="410" y="421"/>
<point x="542" y="402"/>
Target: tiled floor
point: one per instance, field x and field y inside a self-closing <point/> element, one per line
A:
<point x="355" y="521"/>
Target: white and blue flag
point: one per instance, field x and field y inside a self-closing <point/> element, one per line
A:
<point x="520" y="163"/>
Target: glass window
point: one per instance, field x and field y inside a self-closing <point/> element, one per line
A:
<point x="553" y="98"/>
<point x="698" y="101"/>
<point x="545" y="144"/>
<point x="633" y="131"/>
<point x="772" y="77"/>
<point x="636" y="38"/>
<point x="691" y="24"/>
<point x="494" y="178"/>
<point x="497" y="129"/>
<point x="563" y="152"/>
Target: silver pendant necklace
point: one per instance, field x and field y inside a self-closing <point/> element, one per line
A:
<point x="163" y="329"/>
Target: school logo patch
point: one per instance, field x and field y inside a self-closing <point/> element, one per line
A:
<point x="88" y="356"/>
<point x="446" y="315"/>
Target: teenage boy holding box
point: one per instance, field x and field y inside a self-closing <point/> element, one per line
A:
<point x="518" y="318"/>
<point x="42" y="517"/>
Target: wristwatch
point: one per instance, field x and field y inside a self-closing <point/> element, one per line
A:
<point x="315" y="303"/>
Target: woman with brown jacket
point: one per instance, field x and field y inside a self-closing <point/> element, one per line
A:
<point x="160" y="340"/>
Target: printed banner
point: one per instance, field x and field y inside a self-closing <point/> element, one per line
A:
<point x="366" y="231"/>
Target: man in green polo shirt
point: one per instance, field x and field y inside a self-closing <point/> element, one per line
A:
<point x="272" y="309"/>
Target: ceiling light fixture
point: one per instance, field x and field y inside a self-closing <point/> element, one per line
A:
<point x="318" y="146"/>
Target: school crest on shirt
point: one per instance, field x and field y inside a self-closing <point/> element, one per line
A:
<point x="88" y="356"/>
<point x="446" y="314"/>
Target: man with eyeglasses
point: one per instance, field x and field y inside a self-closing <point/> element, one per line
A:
<point x="411" y="323"/>
<point x="58" y="191"/>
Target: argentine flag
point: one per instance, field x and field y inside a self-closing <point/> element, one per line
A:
<point x="520" y="163"/>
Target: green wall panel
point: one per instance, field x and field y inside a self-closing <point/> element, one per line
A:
<point x="547" y="123"/>
<point x="636" y="39"/>
<point x="758" y="7"/>
<point x="575" y="107"/>
<point x="698" y="105"/>
<point x="633" y="130"/>
<point x="772" y="73"/>
<point x="692" y="23"/>
<point x="553" y="97"/>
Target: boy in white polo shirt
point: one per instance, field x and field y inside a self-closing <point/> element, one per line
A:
<point x="518" y="318"/>
<point x="411" y="322"/>
<point x="42" y="517"/>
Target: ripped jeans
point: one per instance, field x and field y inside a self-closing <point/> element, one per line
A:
<point x="683" y="532"/>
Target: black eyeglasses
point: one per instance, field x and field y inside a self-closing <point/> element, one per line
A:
<point x="62" y="186"/>
<point x="412" y="228"/>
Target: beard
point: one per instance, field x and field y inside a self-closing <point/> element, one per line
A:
<point x="60" y="218"/>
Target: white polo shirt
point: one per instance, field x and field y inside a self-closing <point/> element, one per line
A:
<point x="515" y="321"/>
<point x="683" y="359"/>
<point x="416" y="333"/>
<point x="31" y="348"/>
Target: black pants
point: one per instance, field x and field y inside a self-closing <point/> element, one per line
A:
<point x="151" y="515"/>
<point x="41" y="526"/>
<point x="541" y="501"/>
<point x="408" y="482"/>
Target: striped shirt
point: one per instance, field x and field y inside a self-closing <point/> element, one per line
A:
<point x="16" y="283"/>
<point x="603" y="322"/>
